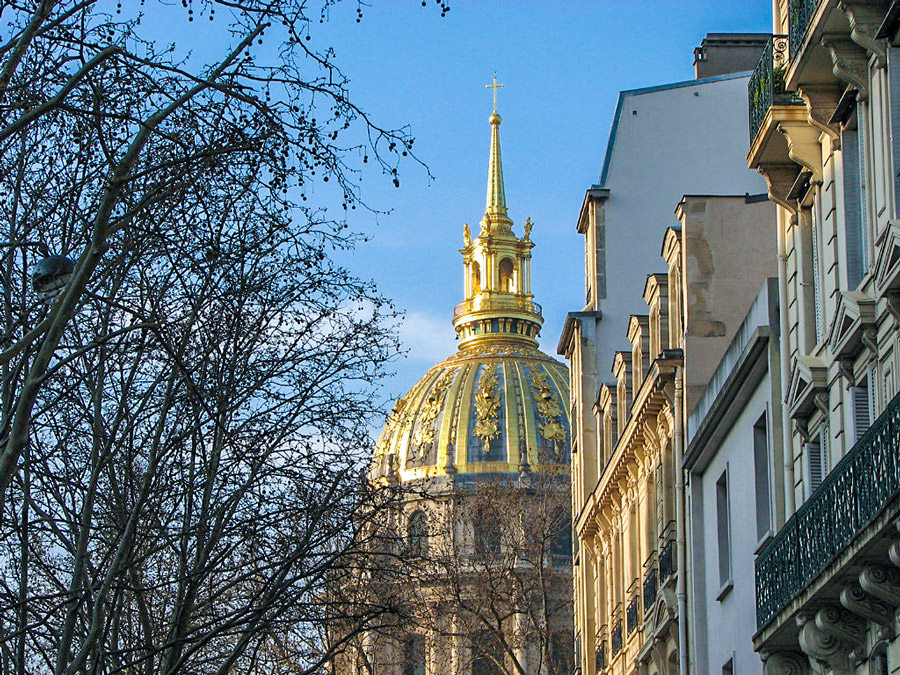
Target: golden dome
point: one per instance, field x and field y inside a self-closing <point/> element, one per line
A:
<point x="487" y="409"/>
<point x="497" y="405"/>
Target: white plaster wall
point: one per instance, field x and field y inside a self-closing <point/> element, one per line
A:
<point x="725" y="627"/>
<point x="671" y="142"/>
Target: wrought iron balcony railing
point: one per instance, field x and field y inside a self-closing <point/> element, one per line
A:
<point x="766" y="86"/>
<point x="800" y="14"/>
<point x="651" y="584"/>
<point x="667" y="552"/>
<point x="633" y="614"/>
<point x="600" y="654"/>
<point x="616" y="637"/>
<point x="858" y="489"/>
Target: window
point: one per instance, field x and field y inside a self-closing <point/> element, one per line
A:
<point x="861" y="408"/>
<point x="815" y="453"/>
<point x="414" y="655"/>
<point x="816" y="276"/>
<point x="507" y="275"/>
<point x="561" y="657"/>
<point x="486" y="657"/>
<point x="761" y="471"/>
<point x="476" y="277"/>
<point x="723" y="529"/>
<point x="728" y="668"/>
<point x="487" y="535"/>
<point x="561" y="542"/>
<point x="856" y="244"/>
<point x="417" y="534"/>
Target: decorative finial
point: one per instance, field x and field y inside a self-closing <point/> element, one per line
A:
<point x="467" y="235"/>
<point x="496" y="198"/>
<point x="528" y="226"/>
<point x="494" y="118"/>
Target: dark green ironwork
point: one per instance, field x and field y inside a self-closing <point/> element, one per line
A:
<point x="800" y="13"/>
<point x="651" y="586"/>
<point x="766" y="86"/>
<point x="600" y="654"/>
<point x="667" y="560"/>
<point x="633" y="614"/>
<point x="856" y="491"/>
<point x="617" y="636"/>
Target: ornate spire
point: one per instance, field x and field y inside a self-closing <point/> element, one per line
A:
<point x="498" y="305"/>
<point x="495" y="207"/>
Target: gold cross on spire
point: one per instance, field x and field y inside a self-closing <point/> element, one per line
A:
<point x="494" y="87"/>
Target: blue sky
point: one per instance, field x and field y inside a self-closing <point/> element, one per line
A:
<point x="563" y="64"/>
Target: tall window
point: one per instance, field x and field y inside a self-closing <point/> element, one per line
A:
<point x="417" y="534"/>
<point x="815" y="454"/>
<point x="507" y="275"/>
<point x="561" y="542"/>
<point x="856" y="244"/>
<point x="487" y="535"/>
<point x="486" y="656"/>
<point x="561" y="657"/>
<point x="861" y="405"/>
<point x="723" y="528"/>
<point x="761" y="471"/>
<point x="414" y="655"/>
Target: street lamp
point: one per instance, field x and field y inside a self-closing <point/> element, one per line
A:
<point x="50" y="274"/>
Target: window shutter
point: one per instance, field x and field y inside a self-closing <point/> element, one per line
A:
<point x="894" y="89"/>
<point x="815" y="465"/>
<point x="862" y="411"/>
<point x="855" y="242"/>
<point x="817" y="283"/>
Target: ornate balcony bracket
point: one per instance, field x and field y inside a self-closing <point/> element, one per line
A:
<point x="848" y="64"/>
<point x="803" y="146"/>
<point x="821" y="101"/>
<point x="857" y="601"/>
<point x="881" y="582"/>
<point x="785" y="663"/>
<point x="830" y="638"/>
<point x="892" y="303"/>
<point x="780" y="179"/>
<point x="865" y="21"/>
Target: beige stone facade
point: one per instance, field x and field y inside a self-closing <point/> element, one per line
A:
<point x="631" y="583"/>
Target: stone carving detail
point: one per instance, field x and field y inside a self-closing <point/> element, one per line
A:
<point x="487" y="405"/>
<point x="423" y="439"/>
<point x="881" y="582"/>
<point x="856" y="600"/>
<point x="785" y="663"/>
<point x="826" y="641"/>
<point x="849" y="64"/>
<point x="548" y="409"/>
<point x="864" y="23"/>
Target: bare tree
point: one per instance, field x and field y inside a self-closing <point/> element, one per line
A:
<point x="181" y="429"/>
<point x="487" y="580"/>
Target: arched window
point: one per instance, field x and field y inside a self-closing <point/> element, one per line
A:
<point x="476" y="277"/>
<point x="507" y="275"/>
<point x="414" y="655"/>
<point x="417" y="534"/>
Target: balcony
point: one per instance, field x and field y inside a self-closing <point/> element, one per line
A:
<point x="651" y="582"/>
<point x="800" y="14"/>
<point x="616" y="638"/>
<point x="858" y="491"/>
<point x="667" y="552"/>
<point x="766" y="87"/>
<point x="600" y="654"/>
<point x="495" y="301"/>
<point x="633" y="613"/>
